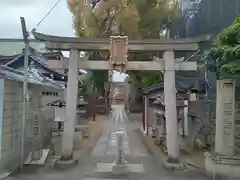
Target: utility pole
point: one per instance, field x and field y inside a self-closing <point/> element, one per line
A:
<point x="25" y="86"/>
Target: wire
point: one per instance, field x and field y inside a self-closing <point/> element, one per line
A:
<point x="192" y="56"/>
<point x="44" y="17"/>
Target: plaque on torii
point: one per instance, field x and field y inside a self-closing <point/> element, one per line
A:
<point x="118" y="51"/>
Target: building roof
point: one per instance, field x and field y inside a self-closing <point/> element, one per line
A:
<point x="185" y="81"/>
<point x="53" y="55"/>
<point x="39" y="59"/>
<point x="9" y="46"/>
<point x="35" y="59"/>
<point x="33" y="77"/>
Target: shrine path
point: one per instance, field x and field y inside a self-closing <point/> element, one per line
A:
<point x="97" y="164"/>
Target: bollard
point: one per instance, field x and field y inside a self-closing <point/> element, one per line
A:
<point x="120" y="148"/>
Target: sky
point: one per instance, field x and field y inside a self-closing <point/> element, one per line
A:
<point x="58" y="22"/>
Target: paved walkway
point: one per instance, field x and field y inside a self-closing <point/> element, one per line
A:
<point x="97" y="164"/>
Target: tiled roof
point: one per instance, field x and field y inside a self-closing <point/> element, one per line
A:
<point x="33" y="77"/>
<point x="187" y="80"/>
<point x="9" y="47"/>
<point x="35" y="56"/>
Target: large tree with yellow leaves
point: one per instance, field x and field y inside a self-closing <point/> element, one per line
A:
<point x="137" y="19"/>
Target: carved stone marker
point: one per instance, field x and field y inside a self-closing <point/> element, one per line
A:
<point x="37" y="154"/>
<point x="120" y="165"/>
<point x="225" y="117"/>
<point x="120" y="148"/>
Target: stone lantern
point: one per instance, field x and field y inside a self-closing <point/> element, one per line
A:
<point x="194" y="92"/>
<point x="158" y="129"/>
<point x="81" y="105"/>
<point x="159" y="124"/>
<point x="193" y="95"/>
<point x="180" y="113"/>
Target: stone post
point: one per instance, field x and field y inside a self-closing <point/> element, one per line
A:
<point x="71" y="102"/>
<point x="154" y="126"/>
<point x="170" y="107"/>
<point x="120" y="165"/>
<point x="146" y="115"/>
<point x="37" y="153"/>
<point x="225" y="117"/>
<point x="186" y="123"/>
<point x="120" y="160"/>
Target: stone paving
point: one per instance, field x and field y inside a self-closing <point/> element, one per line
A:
<point x="97" y="164"/>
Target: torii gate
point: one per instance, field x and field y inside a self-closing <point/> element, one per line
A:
<point x="118" y="47"/>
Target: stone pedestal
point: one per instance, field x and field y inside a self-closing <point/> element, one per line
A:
<point x="223" y="162"/>
<point x="173" y="165"/>
<point x="222" y="166"/>
<point x="36" y="155"/>
<point x="65" y="163"/>
<point x="120" y="169"/>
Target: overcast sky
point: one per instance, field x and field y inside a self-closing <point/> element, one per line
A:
<point x="59" y="22"/>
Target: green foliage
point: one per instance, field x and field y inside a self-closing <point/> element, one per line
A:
<point x="99" y="77"/>
<point x="138" y="19"/>
<point x="224" y="57"/>
<point x="150" y="78"/>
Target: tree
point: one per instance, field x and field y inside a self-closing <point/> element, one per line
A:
<point x="210" y="17"/>
<point x="137" y="19"/>
<point x="224" y="57"/>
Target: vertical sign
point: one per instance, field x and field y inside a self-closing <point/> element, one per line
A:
<point x="228" y="113"/>
<point x="37" y="132"/>
<point x="118" y="50"/>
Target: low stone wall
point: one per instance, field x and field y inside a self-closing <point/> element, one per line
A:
<point x="10" y="123"/>
<point x="37" y="123"/>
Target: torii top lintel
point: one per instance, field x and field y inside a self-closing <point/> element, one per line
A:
<point x="92" y="44"/>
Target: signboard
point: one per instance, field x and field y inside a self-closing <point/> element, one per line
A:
<point x="118" y="50"/>
<point x="60" y="114"/>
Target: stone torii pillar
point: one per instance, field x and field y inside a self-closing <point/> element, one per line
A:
<point x="170" y="107"/>
<point x="170" y="65"/>
<point x="71" y="102"/>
